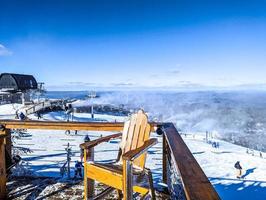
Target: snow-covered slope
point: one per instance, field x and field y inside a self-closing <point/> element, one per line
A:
<point x="8" y="111"/>
<point x="218" y="164"/>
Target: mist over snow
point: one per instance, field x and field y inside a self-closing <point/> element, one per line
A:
<point x="237" y="116"/>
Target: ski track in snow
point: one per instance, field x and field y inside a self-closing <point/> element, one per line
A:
<point x="48" y="155"/>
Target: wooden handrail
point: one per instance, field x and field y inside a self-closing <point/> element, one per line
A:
<point x="195" y="183"/>
<point x="61" y="125"/>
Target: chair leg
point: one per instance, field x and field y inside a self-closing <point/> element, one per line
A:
<point x="151" y="184"/>
<point x="90" y="188"/>
<point x="127" y="180"/>
<point x="119" y="194"/>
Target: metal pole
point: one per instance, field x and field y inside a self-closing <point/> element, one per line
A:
<point x="68" y="160"/>
<point x="23" y="98"/>
<point x="92" y="114"/>
<point x="91" y="96"/>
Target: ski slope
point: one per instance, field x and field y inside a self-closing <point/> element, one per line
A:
<point x="218" y="165"/>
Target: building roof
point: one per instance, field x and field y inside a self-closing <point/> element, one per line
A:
<point x="17" y="82"/>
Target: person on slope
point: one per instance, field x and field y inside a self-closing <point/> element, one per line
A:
<point x="22" y="116"/>
<point x="239" y="169"/>
<point x="69" y="112"/>
<point x="78" y="169"/>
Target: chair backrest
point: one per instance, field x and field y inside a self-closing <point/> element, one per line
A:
<point x="136" y="131"/>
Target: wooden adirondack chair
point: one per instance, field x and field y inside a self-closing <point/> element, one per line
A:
<point x="126" y="174"/>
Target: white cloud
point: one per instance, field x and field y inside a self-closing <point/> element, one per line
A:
<point x="123" y="84"/>
<point x="4" y="51"/>
<point x="80" y="83"/>
<point x="174" y="71"/>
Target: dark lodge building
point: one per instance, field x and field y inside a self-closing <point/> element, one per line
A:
<point x="15" y="88"/>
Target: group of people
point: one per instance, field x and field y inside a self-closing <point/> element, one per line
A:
<point x="253" y="153"/>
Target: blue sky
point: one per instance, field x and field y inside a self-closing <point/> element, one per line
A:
<point x="79" y="45"/>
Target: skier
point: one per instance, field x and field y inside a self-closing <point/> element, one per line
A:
<point x="22" y="117"/>
<point x="16" y="115"/>
<point x="39" y="114"/>
<point x="69" y="112"/>
<point x="78" y="169"/>
<point x="247" y="151"/>
<point x="239" y="169"/>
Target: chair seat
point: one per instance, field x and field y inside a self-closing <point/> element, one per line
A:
<point x="115" y="167"/>
<point x="108" y="173"/>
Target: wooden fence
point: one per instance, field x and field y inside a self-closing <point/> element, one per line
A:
<point x="43" y="105"/>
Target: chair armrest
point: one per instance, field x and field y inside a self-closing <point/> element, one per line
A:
<point x="133" y="154"/>
<point x="93" y="143"/>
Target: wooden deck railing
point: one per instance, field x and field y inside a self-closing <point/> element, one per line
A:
<point x="42" y="105"/>
<point x="178" y="157"/>
<point x="176" y="154"/>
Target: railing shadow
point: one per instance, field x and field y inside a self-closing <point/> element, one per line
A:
<point x="37" y="186"/>
<point x="241" y="189"/>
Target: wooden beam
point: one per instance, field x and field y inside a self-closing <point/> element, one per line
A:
<point x="8" y="142"/>
<point x="195" y="182"/>
<point x="104" y="193"/>
<point x="3" y="135"/>
<point x="59" y="125"/>
<point x="3" y="192"/>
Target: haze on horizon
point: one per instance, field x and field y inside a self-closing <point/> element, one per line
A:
<point x="78" y="45"/>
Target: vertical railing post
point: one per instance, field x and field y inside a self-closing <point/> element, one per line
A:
<point x="164" y="160"/>
<point x="3" y="192"/>
<point x="8" y="142"/>
<point x="88" y="183"/>
<point x="85" y="174"/>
